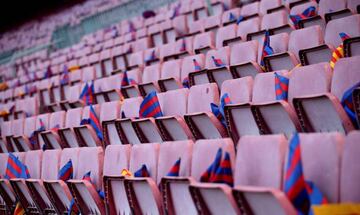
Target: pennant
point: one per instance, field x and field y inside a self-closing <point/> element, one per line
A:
<point x="281" y="87"/>
<point x="123" y="116"/>
<point x="150" y="106"/>
<point x="127" y="81"/>
<point x="348" y="103"/>
<point x="176" y="11"/>
<point x="266" y="50"/>
<point x="175" y="169"/>
<point x="87" y="176"/>
<point x="48" y="72"/>
<point x="183" y="45"/>
<point x="142" y="172"/>
<point x="66" y="172"/>
<point x="218" y="111"/>
<point x="308" y="12"/>
<point x="197" y="66"/>
<point x="95" y="123"/>
<point x="212" y="169"/>
<point x="15" y="168"/>
<point x="218" y="62"/>
<point x="151" y="57"/>
<point x="232" y="17"/>
<point x="240" y="19"/>
<point x="32" y="137"/>
<point x="339" y="51"/>
<point x="65" y="78"/>
<point x="186" y="83"/>
<point x="87" y="94"/>
<point x="295" y="186"/>
<point x="315" y="195"/>
<point x="224" y="172"/>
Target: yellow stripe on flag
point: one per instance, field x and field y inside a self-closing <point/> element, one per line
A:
<point x="336" y="55"/>
<point x="337" y="209"/>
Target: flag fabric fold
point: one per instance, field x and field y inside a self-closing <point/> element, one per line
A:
<point x="175" y="169"/>
<point x="142" y="172"/>
<point x="339" y="51"/>
<point x="281" y="87"/>
<point x="150" y="106"/>
<point x="348" y="103"/>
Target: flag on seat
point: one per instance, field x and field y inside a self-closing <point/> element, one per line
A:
<point x="32" y="137"/>
<point x="175" y="169"/>
<point x="224" y="172"/>
<point x="186" y="83"/>
<point x="48" y="72"/>
<point x="197" y="66"/>
<point x="183" y="45"/>
<point x="348" y="103"/>
<point x="126" y="81"/>
<point x="176" y="11"/>
<point x="151" y="57"/>
<point x="240" y="19"/>
<point x="86" y="94"/>
<point x="295" y="186"/>
<point x="126" y="172"/>
<point x="339" y="51"/>
<point x="218" y="62"/>
<point x="150" y="106"/>
<point x="19" y="210"/>
<point x="232" y="17"/>
<point x="66" y="172"/>
<point x="65" y="78"/>
<point x="87" y="176"/>
<point x="142" y="172"/>
<point x="15" y="168"/>
<point x="266" y="50"/>
<point x="209" y="174"/>
<point x="95" y="123"/>
<point x="315" y="195"/>
<point x="218" y="111"/>
<point x="308" y="12"/>
<point x="281" y="87"/>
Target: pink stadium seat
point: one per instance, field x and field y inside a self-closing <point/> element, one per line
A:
<point x="120" y="59"/>
<point x="187" y="68"/>
<point x="225" y="33"/>
<point x="112" y="87"/>
<point x="85" y="134"/>
<point x="156" y="35"/>
<point x="322" y="153"/>
<point x="67" y="135"/>
<point x="204" y="42"/>
<point x="109" y="112"/>
<point x="88" y="74"/>
<point x="200" y="9"/>
<point x="212" y="23"/>
<point x="200" y="119"/>
<point x="250" y="9"/>
<point x="106" y="62"/>
<point x="349" y="25"/>
<point x="331" y="6"/>
<point x="50" y="137"/>
<point x="204" y="152"/>
<point x="49" y="171"/>
<point x="58" y="190"/>
<point x="136" y="60"/>
<point x="99" y="88"/>
<point x="248" y="26"/>
<point x="151" y="75"/>
<point x="218" y="73"/>
<point x="275" y="20"/>
<point x="336" y="119"/>
<point x="243" y="59"/>
<point x="129" y="108"/>
<point x="196" y="27"/>
<point x="349" y="179"/>
<point x="132" y="90"/>
<point x="115" y="198"/>
<point x="261" y="187"/>
<point x="33" y="162"/>
<point x="184" y="47"/>
<point x="144" y="154"/>
<point x="85" y="192"/>
<point x="170" y="75"/>
<point x="265" y="6"/>
<point x="180" y="26"/>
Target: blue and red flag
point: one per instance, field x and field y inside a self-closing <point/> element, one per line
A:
<point x="65" y="79"/>
<point x="15" y="168"/>
<point x="95" y="123"/>
<point x="87" y="176"/>
<point x="218" y="62"/>
<point x="339" y="51"/>
<point x="176" y="11"/>
<point x="295" y="186"/>
<point x="224" y="172"/>
<point x="126" y="81"/>
<point x="197" y="66"/>
<point x="42" y="128"/>
<point x="266" y="50"/>
<point x="186" y="83"/>
<point x="150" y="106"/>
<point x="231" y="17"/>
<point x="183" y="45"/>
<point x="315" y="195"/>
<point x="308" y="12"/>
<point x="218" y="111"/>
<point x="142" y="172"/>
<point x="87" y="94"/>
<point x="212" y="169"/>
<point x="240" y="19"/>
<point x="175" y="169"/>
<point x="281" y="87"/>
<point x="66" y="172"/>
<point x="48" y="72"/>
<point x="348" y="103"/>
<point x="151" y="57"/>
